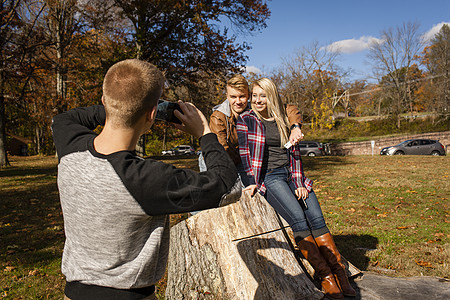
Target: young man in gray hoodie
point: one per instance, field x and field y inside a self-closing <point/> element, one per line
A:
<point x="115" y="204"/>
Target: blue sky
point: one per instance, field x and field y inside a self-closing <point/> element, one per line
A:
<point x="296" y="23"/>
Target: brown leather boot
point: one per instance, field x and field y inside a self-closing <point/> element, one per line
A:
<point x="310" y="251"/>
<point x="331" y="254"/>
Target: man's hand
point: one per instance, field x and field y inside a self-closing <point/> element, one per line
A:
<point x="296" y="136"/>
<point x="252" y="189"/>
<point x="301" y="193"/>
<point x="192" y="119"/>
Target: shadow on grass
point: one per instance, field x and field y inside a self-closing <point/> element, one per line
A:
<point x="19" y="171"/>
<point x="323" y="162"/>
<point x="31" y="231"/>
<point x="354" y="248"/>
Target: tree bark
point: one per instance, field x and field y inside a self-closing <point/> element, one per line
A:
<point x="140" y="146"/>
<point x="236" y="252"/>
<point x="164" y="137"/>
<point x="3" y="154"/>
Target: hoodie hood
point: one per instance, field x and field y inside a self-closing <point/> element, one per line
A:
<point x="224" y="108"/>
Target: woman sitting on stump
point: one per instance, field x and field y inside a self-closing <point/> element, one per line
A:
<point x="276" y="172"/>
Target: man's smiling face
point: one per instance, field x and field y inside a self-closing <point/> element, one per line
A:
<point x="238" y="100"/>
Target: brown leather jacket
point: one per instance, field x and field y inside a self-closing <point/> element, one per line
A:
<point x="223" y="124"/>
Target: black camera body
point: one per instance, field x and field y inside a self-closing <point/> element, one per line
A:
<point x="165" y="111"/>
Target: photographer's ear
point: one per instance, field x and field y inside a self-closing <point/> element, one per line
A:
<point x="149" y="119"/>
<point x="153" y="112"/>
<point x="151" y="115"/>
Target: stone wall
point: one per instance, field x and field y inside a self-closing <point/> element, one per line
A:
<point x="365" y="148"/>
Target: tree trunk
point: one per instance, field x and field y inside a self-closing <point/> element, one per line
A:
<point x="59" y="61"/>
<point x="379" y="106"/>
<point x="240" y="251"/>
<point x="164" y="137"/>
<point x="3" y="155"/>
<point x="140" y="146"/>
<point x="38" y="138"/>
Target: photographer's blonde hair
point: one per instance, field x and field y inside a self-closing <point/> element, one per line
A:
<point x="275" y="107"/>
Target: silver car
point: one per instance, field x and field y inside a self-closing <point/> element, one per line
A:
<point x="179" y="150"/>
<point x="415" y="147"/>
<point x="310" y="148"/>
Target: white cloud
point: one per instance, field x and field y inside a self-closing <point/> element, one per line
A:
<point x="432" y="32"/>
<point x="252" y="69"/>
<point x="352" y="45"/>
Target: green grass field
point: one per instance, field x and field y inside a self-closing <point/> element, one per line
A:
<point x="389" y="214"/>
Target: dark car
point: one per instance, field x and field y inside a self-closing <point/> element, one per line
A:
<point x="415" y="147"/>
<point x="311" y="148"/>
<point x="179" y="150"/>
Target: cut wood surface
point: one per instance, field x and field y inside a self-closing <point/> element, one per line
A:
<point x="236" y="252"/>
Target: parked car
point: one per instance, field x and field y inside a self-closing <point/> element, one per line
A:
<point x="415" y="147"/>
<point x="179" y="150"/>
<point x="311" y="148"/>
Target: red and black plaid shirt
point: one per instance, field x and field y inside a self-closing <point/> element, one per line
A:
<point x="252" y="138"/>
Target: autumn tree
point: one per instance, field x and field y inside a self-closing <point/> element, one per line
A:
<point x="415" y="81"/>
<point x="40" y="43"/>
<point x="65" y="71"/>
<point x="190" y="40"/>
<point x="310" y="80"/>
<point x="392" y="58"/>
<point x="60" y="25"/>
<point x="9" y="22"/>
<point x="194" y="42"/>
<point x="358" y="102"/>
<point x="91" y="53"/>
<point x="436" y="58"/>
<point x="18" y="47"/>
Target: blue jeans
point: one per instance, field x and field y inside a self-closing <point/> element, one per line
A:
<point x="281" y="196"/>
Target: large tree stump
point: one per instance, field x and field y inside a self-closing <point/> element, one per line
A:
<point x="236" y="252"/>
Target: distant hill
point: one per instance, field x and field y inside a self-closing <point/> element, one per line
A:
<point x="353" y="129"/>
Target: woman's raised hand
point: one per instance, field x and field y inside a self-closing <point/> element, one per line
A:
<point x="295" y="136"/>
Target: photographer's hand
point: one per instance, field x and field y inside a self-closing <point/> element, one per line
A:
<point x="192" y="119"/>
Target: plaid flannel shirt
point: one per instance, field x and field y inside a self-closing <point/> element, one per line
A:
<point x="251" y="137"/>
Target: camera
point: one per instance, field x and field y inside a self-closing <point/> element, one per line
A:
<point x="165" y="111"/>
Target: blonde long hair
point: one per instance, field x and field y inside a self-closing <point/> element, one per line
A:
<point x="275" y="107"/>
